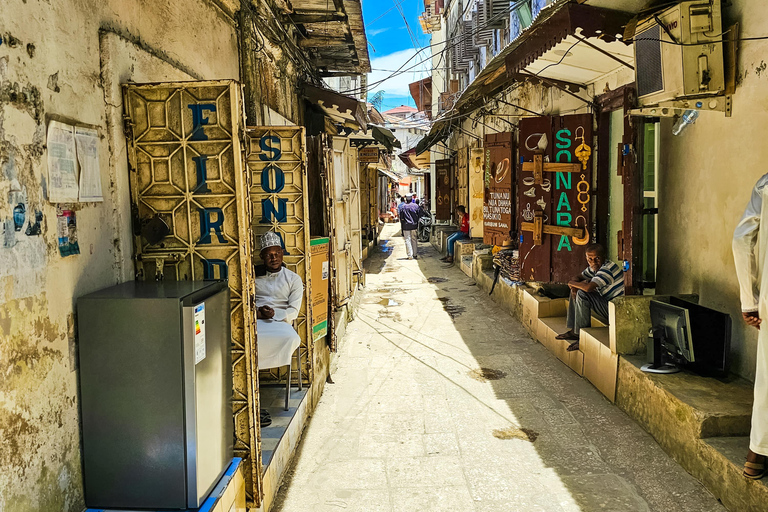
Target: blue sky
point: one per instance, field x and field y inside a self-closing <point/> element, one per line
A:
<point x="390" y="44"/>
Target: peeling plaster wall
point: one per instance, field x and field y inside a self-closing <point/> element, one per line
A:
<point x="706" y="177"/>
<point x="67" y="59"/>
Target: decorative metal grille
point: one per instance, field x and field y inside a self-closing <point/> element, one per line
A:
<point x="276" y="162"/>
<point x="186" y="169"/>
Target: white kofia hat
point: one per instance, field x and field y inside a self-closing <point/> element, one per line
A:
<point x="270" y="239"/>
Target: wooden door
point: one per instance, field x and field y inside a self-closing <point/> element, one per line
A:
<point x="499" y="179"/>
<point x="341" y="257"/>
<point x="476" y="192"/>
<point x="564" y="198"/>
<point x="443" y="190"/>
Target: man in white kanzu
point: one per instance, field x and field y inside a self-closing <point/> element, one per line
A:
<point x="750" y="252"/>
<point x="278" y="297"/>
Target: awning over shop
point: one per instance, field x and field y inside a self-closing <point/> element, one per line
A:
<point x="385" y="137"/>
<point x="440" y="131"/>
<point x="574" y="43"/>
<point x="421" y="92"/>
<point x="376" y="136"/>
<point x="567" y="45"/>
<point x="339" y="108"/>
<point x="391" y="175"/>
<point x="333" y="35"/>
<point x="414" y="160"/>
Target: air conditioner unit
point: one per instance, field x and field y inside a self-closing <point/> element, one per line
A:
<point x="679" y="53"/>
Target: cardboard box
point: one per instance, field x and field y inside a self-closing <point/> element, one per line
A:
<point x="319" y="263"/>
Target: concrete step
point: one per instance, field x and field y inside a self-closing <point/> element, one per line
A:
<point x="549" y="328"/>
<point x="720" y="471"/>
<point x="704" y="407"/>
<point x="600" y="363"/>
<point x="701" y="422"/>
<point x="465" y="264"/>
<point x="536" y="307"/>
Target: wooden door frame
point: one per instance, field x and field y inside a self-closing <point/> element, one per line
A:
<point x="630" y="167"/>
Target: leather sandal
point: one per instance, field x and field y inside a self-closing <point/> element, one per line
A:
<point x="265" y="419"/>
<point x="573" y="347"/>
<point x="569" y="336"/>
<point x="757" y="466"/>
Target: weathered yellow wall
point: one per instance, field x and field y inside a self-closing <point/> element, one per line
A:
<point x="67" y="59"/>
<point x="706" y="177"/>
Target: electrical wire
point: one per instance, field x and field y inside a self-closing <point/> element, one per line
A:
<point x="379" y="17"/>
<point x="461" y="39"/>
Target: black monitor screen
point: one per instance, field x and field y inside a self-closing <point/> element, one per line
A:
<point x="672" y="324"/>
<point x="711" y="332"/>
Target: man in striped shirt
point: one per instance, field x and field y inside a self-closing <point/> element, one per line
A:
<point x="600" y="283"/>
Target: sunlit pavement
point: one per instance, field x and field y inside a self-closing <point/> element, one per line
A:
<point x="442" y="402"/>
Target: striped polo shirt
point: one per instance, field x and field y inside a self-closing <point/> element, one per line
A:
<point x="609" y="280"/>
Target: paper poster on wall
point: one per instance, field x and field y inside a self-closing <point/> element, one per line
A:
<point x="319" y="271"/>
<point x="67" y="233"/>
<point x="87" y="143"/>
<point x="199" y="333"/>
<point x="62" y="164"/>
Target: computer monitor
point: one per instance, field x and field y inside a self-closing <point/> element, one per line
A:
<point x="711" y="331"/>
<point x="671" y="326"/>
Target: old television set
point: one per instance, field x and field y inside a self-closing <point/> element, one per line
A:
<point x="691" y="336"/>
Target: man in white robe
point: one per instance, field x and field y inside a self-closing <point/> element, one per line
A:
<point x="750" y="252"/>
<point x="278" y="297"/>
<point x="279" y="293"/>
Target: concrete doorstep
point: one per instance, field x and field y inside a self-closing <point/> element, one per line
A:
<point x="703" y="423"/>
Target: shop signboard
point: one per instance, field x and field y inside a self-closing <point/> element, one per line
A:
<point x="499" y="179"/>
<point x="443" y="189"/>
<point x="368" y="155"/>
<point x="320" y="265"/>
<point x="561" y="200"/>
<point x="276" y="163"/>
<point x="190" y="223"/>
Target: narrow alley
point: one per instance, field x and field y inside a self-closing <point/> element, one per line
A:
<point x="441" y="401"/>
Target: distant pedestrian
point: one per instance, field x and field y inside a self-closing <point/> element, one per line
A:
<point x="400" y="206"/>
<point x="461" y="234"/>
<point x="409" y="221"/>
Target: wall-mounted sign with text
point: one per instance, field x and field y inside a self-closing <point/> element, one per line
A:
<point x="368" y="155"/>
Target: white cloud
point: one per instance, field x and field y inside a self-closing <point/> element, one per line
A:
<point x="398" y="85"/>
<point x="377" y="31"/>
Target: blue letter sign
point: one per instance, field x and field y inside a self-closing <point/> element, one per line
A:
<point x="207" y="224"/>
<point x="198" y="120"/>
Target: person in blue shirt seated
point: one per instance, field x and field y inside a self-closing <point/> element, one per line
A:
<point x="600" y="283"/>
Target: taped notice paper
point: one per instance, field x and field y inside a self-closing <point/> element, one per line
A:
<point x="66" y="227"/>
<point x="62" y="164"/>
<point x="87" y="142"/>
<point x="199" y="333"/>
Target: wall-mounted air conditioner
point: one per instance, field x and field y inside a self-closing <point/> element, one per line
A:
<point x="679" y="54"/>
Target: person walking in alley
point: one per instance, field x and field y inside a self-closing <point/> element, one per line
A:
<point x="600" y="283"/>
<point x="462" y="233"/>
<point x="409" y="221"/>
<point x="750" y="247"/>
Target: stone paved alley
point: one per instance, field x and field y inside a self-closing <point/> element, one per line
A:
<point x="413" y="424"/>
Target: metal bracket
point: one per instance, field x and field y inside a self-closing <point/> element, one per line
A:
<point x="677" y="107"/>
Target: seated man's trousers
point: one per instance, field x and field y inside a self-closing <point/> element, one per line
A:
<point x="580" y="309"/>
